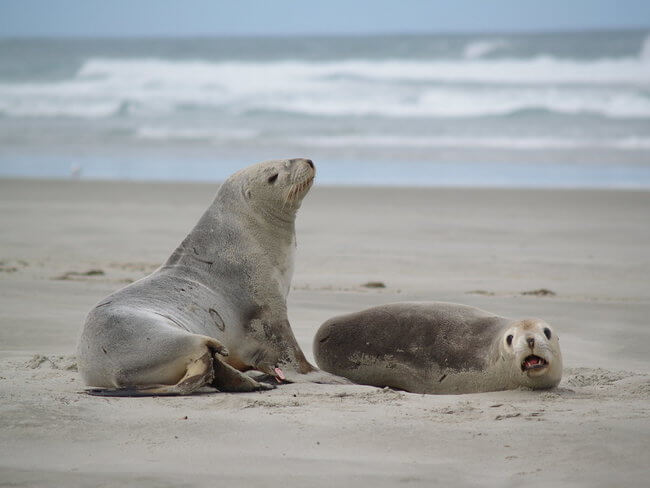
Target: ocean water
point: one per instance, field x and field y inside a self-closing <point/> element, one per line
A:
<point x="552" y="110"/>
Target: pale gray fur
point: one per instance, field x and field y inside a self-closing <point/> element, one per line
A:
<point x="437" y="347"/>
<point x="222" y="291"/>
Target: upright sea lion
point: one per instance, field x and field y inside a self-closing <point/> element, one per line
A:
<point x="217" y="307"/>
<point x="436" y="347"/>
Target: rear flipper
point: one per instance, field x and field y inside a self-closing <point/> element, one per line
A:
<point x="208" y="370"/>
<point x="160" y="390"/>
<point x="199" y="373"/>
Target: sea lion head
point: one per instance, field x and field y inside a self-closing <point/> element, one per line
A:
<point x="278" y="184"/>
<point x="531" y="348"/>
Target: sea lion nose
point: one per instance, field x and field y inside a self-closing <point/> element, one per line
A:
<point x="531" y="342"/>
<point x="308" y="161"/>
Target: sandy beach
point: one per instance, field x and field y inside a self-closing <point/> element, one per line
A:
<point x="64" y="245"/>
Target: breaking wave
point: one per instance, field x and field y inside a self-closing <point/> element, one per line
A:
<point x="478" y="49"/>
<point x="472" y="87"/>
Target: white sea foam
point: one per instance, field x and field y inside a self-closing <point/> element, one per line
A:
<point x="478" y="49"/>
<point x="386" y="88"/>
<point x="468" y="142"/>
<point x="542" y="69"/>
<point x="644" y="54"/>
<point x="225" y="136"/>
<point x="195" y="134"/>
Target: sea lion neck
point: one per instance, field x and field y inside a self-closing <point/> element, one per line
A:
<point x="280" y="218"/>
<point x="228" y="226"/>
<point x="236" y="200"/>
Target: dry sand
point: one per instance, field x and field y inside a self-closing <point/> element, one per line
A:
<point x="480" y="247"/>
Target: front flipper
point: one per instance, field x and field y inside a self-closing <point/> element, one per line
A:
<point x="227" y="378"/>
<point x="316" y="376"/>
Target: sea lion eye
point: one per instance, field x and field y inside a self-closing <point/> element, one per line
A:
<point x="509" y="340"/>
<point x="547" y="332"/>
<point x="273" y="178"/>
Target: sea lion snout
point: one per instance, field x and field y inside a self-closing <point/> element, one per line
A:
<point x="309" y="162"/>
<point x="301" y="168"/>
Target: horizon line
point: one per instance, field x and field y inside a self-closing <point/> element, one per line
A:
<point x="542" y="31"/>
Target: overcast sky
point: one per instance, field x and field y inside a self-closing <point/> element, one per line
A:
<point x="298" y="17"/>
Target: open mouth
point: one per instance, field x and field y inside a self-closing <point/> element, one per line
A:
<point x="533" y="362"/>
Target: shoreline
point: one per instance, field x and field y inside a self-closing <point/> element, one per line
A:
<point x="326" y="186"/>
<point x="172" y="167"/>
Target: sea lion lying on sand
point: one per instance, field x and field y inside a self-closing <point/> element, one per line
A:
<point x="436" y="347"/>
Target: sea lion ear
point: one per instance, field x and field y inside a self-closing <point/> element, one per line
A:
<point x="248" y="193"/>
